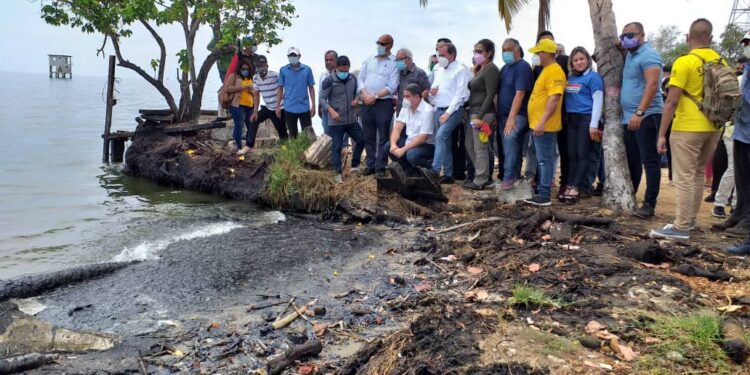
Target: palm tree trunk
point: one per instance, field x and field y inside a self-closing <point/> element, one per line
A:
<point x="618" y="189"/>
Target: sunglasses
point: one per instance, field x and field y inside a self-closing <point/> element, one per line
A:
<point x="627" y="35"/>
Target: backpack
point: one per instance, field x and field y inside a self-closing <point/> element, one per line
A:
<point x="721" y="92"/>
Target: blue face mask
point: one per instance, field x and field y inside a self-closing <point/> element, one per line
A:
<point x="342" y="75"/>
<point x="381" y="50"/>
<point x="245" y="73"/>
<point x="508" y="57"/>
<point x="400" y="65"/>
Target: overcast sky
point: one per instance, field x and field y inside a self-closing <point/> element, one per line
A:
<point x="348" y="26"/>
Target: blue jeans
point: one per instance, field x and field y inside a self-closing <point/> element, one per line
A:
<point x="513" y="146"/>
<point x="241" y="117"/>
<point x="337" y="133"/>
<point x="324" y="118"/>
<point x="420" y="156"/>
<point x="544" y="146"/>
<point x="596" y="166"/>
<point x="376" y="124"/>
<point x="443" y="149"/>
<point x="640" y="149"/>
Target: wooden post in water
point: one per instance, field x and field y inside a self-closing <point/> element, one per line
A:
<point x="110" y="104"/>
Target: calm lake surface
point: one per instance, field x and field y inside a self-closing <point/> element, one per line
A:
<point x="60" y="206"/>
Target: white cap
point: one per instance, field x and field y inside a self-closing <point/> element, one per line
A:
<point x="746" y="37"/>
<point x="293" y="50"/>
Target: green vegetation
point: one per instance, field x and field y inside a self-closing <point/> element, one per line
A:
<point x="529" y="296"/>
<point x="552" y="344"/>
<point x="696" y="337"/>
<point x="291" y="185"/>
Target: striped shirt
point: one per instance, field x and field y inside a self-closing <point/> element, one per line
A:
<point x="267" y="87"/>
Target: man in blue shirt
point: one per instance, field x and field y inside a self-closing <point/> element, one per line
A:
<point x="296" y="82"/>
<point x="739" y="222"/>
<point x="512" y="100"/>
<point x="378" y="82"/>
<point x="642" y="106"/>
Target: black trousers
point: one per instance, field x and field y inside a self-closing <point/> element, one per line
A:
<point x="460" y="162"/>
<point x="741" y="214"/>
<point x="578" y="151"/>
<point x="719" y="165"/>
<point x="642" y="155"/>
<point x="278" y="123"/>
<point x="292" y="119"/>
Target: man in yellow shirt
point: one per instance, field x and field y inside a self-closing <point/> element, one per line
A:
<point x="694" y="137"/>
<point x="545" y="117"/>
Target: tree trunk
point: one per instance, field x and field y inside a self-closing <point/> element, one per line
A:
<point x="618" y="189"/>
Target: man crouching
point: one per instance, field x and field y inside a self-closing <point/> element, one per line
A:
<point x="415" y="146"/>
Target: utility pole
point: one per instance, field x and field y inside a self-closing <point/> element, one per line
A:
<point x="740" y="15"/>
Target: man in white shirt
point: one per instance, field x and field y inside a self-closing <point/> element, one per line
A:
<point x="449" y="92"/>
<point x="414" y="147"/>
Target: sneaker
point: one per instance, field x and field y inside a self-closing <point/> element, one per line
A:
<point x="368" y="171"/>
<point x="244" y="150"/>
<point x="537" y="200"/>
<point x="670" y="232"/>
<point x="646" y="211"/>
<point x="507" y="185"/>
<point x="718" y="211"/>
<point x="738" y="231"/>
<point x="739" y="249"/>
<point x="472" y="186"/>
<point x="338" y="178"/>
<point x="354" y="171"/>
<point x="447" y="180"/>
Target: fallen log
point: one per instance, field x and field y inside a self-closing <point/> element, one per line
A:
<point x="25" y="362"/>
<point x="296" y="353"/>
<point x="735" y="343"/>
<point x="34" y="285"/>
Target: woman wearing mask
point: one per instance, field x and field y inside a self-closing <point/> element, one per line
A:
<point x="584" y="98"/>
<point x="482" y="92"/>
<point x="240" y="84"/>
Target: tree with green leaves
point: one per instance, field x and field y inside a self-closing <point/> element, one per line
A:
<point x="729" y="47"/>
<point x="227" y="19"/>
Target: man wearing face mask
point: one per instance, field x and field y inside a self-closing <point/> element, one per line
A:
<point x="378" y="82"/>
<point x="409" y="72"/>
<point x="412" y="138"/>
<point x="642" y="107"/>
<point x="449" y="92"/>
<point x="248" y="47"/>
<point x="338" y="97"/>
<point x="297" y="89"/>
<point x="545" y="117"/>
<point x="330" y="58"/>
<point x="266" y="84"/>
<point x="431" y="66"/>
<point x="512" y="100"/>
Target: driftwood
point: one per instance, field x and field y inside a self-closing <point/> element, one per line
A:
<point x="319" y="153"/>
<point x="283" y="322"/>
<point x="25" y="362"/>
<point x="735" y="344"/>
<point x="308" y="349"/>
<point x="33" y="285"/>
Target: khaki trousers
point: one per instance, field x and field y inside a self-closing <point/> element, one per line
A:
<point x="691" y="152"/>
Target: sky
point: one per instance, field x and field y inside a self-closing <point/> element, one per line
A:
<point x="350" y="27"/>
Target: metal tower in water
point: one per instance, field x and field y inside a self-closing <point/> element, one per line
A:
<point x="741" y="14"/>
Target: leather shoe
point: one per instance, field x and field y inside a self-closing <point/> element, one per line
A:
<point x="738" y="231"/>
<point x="726" y="224"/>
<point x="447" y="180"/>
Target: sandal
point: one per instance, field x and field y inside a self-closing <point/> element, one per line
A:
<point x="561" y="193"/>
<point x="571" y="198"/>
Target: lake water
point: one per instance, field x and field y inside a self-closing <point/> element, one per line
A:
<point x="60" y="206"/>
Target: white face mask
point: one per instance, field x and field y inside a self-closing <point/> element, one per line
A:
<point x="746" y="51"/>
<point x="535" y="61"/>
<point x="406" y="104"/>
<point x="443" y="61"/>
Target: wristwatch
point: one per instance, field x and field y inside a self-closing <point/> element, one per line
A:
<point x="639" y="113"/>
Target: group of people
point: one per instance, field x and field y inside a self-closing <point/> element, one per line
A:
<point x="455" y="121"/>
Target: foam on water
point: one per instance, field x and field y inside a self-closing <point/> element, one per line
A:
<point x="150" y="249"/>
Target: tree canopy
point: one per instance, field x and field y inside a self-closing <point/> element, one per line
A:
<point x="228" y="20"/>
<point x="671" y="43"/>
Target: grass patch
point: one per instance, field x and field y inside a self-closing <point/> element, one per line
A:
<point x="529" y="296"/>
<point x="552" y="344"/>
<point x="697" y="337"/>
<point x="291" y="185"/>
